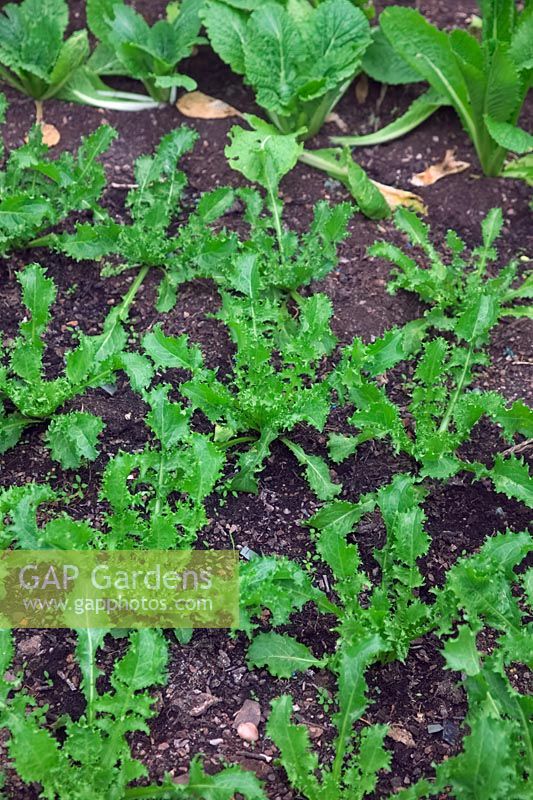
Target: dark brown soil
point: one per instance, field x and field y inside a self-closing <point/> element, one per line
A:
<point x="460" y="515"/>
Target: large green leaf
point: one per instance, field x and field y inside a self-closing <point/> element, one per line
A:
<point x="263" y="155"/>
<point x="226" y="28"/>
<point x="428" y="51"/>
<point x="385" y="65"/>
<point x="293" y="742"/>
<point x="72" y="438"/>
<point x="317" y="472"/>
<point x="509" y="136"/>
<point x="281" y="655"/>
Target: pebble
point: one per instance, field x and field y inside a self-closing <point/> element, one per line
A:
<point x="248" y="731"/>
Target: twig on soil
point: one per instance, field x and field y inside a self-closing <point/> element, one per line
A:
<point x="115" y="185"/>
<point x="518" y="448"/>
<point x="256" y="756"/>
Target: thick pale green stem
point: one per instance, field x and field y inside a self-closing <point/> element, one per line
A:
<point x="124" y="307"/>
<point x="443" y="427"/>
<point x="234" y="442"/>
<point x="273" y="197"/>
<point x="157" y="93"/>
<point x="313" y="160"/>
<point x="492" y="166"/>
<point x="120" y="313"/>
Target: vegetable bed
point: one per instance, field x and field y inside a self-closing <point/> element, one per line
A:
<point x="385" y="574"/>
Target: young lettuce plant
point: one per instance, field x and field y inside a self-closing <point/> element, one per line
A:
<point x="451" y="285"/>
<point x="91" y="757"/>
<point x="275" y="353"/>
<point x="390" y="610"/>
<point x="497" y="754"/>
<point x="154" y="204"/>
<point x="37" y="192"/>
<point x="464" y="301"/>
<point x="485" y="81"/>
<point x="287" y="261"/>
<point x="373" y="622"/>
<point x="36" y="398"/>
<point x="128" y="46"/>
<point x="359" y="757"/>
<point x="439" y="418"/>
<point x="157" y="495"/>
<point x="379" y="628"/>
<point x="34" y="57"/>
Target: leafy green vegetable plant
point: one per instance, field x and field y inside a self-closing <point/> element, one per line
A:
<point x="150" y="239"/>
<point x="290" y="392"/>
<point x="377" y="622"/>
<point x="391" y="613"/>
<point x="278" y="349"/>
<point x="72" y="438"/>
<point x="390" y="609"/>
<point x="23" y="381"/>
<point x="299" y="59"/>
<point x="438" y="420"/>
<point x="34" y="57"/>
<point x="379" y="627"/>
<point x="497" y="755"/>
<point x="129" y="46"/>
<point x="442" y="413"/>
<point x="485" y="81"/>
<point x="37" y="193"/>
<point x="157" y="495"/>
<point x="93" y="759"/>
<point x="364" y="752"/>
<point x="452" y="283"/>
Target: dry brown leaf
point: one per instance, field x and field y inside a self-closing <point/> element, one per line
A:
<point x="315" y="731"/>
<point x="338" y="121"/>
<point x="399" y="734"/>
<point x="51" y="135"/>
<point x="399" y="197"/>
<point x="202" y="106"/>
<point x="448" y="166"/>
<point x="361" y="89"/>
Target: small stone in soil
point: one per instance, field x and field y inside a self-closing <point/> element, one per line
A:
<point x="434" y="728"/>
<point x="450" y="732"/>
